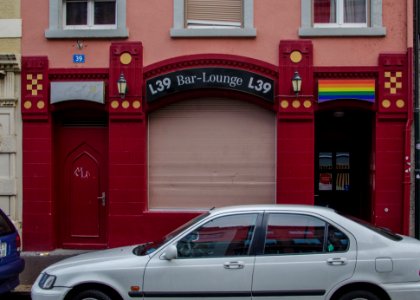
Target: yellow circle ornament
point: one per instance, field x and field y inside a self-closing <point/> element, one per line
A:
<point x="40" y="104"/>
<point x="400" y="103"/>
<point x="307" y="103"/>
<point x="27" y="104"/>
<point x="125" y="104"/>
<point x="386" y="103"/>
<point x="115" y="104"/>
<point x="296" y="57"/>
<point x="284" y="104"/>
<point x="136" y="104"/>
<point x="126" y="58"/>
<point x="296" y="104"/>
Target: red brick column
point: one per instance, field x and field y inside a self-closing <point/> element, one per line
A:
<point x="392" y="144"/>
<point x="38" y="231"/>
<point x="295" y="127"/>
<point x="127" y="145"/>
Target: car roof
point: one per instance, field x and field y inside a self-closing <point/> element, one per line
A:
<point x="273" y="207"/>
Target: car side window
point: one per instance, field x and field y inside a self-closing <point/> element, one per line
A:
<point x="224" y="236"/>
<point x="337" y="241"/>
<point x="5" y="226"/>
<point x="301" y="234"/>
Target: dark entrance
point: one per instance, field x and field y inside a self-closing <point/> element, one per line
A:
<point x="343" y="159"/>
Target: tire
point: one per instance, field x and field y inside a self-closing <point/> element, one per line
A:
<point x="359" y="295"/>
<point x="91" y="295"/>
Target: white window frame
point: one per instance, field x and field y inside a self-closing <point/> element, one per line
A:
<point x="179" y="30"/>
<point x="373" y="27"/>
<point x="340" y="18"/>
<point x="90" y="17"/>
<point x="58" y="29"/>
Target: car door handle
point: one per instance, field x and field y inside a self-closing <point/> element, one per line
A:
<point x="337" y="261"/>
<point x="233" y="265"/>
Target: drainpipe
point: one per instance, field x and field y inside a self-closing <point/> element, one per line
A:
<point x="416" y="122"/>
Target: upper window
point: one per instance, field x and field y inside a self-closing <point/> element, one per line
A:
<point x="340" y="13"/>
<point x="342" y="18"/>
<point x="86" y="14"/>
<point x="87" y="19"/>
<point x="213" y="18"/>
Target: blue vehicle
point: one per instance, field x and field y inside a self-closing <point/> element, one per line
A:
<point x="11" y="264"/>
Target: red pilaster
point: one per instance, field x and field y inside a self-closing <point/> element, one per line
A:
<point x="295" y="127"/>
<point x="391" y="156"/>
<point x="38" y="229"/>
<point x="127" y="145"/>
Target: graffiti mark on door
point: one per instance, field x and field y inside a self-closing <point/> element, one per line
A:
<point x="82" y="173"/>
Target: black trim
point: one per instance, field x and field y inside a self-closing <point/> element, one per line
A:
<point x="195" y="294"/>
<point x="288" y="293"/>
<point x="259" y="236"/>
<point x="295" y="293"/>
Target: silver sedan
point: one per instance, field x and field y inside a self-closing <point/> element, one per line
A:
<point x="248" y="252"/>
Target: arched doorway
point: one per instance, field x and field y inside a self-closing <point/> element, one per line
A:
<point x="81" y="175"/>
<point x="343" y="139"/>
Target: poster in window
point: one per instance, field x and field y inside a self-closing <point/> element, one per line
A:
<point x="325" y="171"/>
<point x="343" y="176"/>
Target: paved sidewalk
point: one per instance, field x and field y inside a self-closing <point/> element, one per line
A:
<point x="35" y="262"/>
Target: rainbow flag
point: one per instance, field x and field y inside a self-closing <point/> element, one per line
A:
<point x="346" y="89"/>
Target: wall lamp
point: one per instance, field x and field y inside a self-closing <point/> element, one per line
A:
<point x="296" y="83"/>
<point x="122" y="86"/>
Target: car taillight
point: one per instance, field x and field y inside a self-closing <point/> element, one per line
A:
<point x="18" y="243"/>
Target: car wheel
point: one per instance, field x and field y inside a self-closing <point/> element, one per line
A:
<point x="91" y="295"/>
<point x="359" y="295"/>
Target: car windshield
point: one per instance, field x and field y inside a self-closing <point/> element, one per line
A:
<point x="381" y="230"/>
<point x="148" y="248"/>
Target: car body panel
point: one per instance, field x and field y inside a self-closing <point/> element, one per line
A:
<point x="390" y="264"/>
<point x="191" y="278"/>
<point x="11" y="264"/>
<point x="118" y="268"/>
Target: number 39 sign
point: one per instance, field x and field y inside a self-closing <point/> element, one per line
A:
<point x="78" y="58"/>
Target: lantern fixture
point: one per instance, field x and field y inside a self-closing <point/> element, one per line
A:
<point x="296" y="83"/>
<point x="122" y="86"/>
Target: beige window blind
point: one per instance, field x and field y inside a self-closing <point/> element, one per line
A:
<point x="213" y="13"/>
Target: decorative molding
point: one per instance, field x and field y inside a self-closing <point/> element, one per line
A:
<point x="78" y="74"/>
<point x="8" y="102"/>
<point x="193" y="61"/>
<point x="345" y="74"/>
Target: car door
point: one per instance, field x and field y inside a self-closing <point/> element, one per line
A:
<point x="303" y="257"/>
<point x="213" y="260"/>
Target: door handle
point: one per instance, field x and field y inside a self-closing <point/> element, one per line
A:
<point x="337" y="261"/>
<point x="103" y="199"/>
<point x="233" y="265"/>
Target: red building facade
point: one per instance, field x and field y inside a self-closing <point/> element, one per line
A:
<point x="90" y="156"/>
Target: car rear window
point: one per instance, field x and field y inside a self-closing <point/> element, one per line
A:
<point x="6" y="226"/>
<point x="380" y="230"/>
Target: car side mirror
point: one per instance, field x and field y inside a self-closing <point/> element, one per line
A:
<point x="170" y="253"/>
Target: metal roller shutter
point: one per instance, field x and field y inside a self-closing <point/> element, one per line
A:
<point x="211" y="152"/>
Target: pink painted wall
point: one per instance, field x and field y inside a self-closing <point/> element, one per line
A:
<point x="150" y="22"/>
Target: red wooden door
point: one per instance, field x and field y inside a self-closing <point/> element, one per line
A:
<point x="82" y="189"/>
